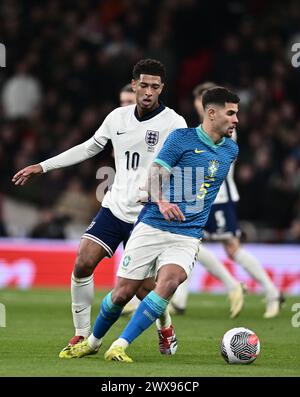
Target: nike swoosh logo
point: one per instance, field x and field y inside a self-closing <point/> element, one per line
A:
<point x="199" y="151"/>
<point x="79" y="311"/>
<point x="121" y="133"/>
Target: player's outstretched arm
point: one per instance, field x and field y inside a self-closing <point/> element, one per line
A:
<point x="22" y="176"/>
<point x="72" y="156"/>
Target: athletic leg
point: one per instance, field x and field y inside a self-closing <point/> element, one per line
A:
<point x="149" y="310"/>
<point x="100" y="240"/>
<point x="254" y="268"/>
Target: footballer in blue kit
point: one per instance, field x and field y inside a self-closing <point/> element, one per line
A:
<point x="222" y="225"/>
<point x="182" y="184"/>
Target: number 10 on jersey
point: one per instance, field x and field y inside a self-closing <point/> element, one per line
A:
<point x="132" y="160"/>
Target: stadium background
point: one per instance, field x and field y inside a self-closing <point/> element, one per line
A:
<point x="65" y="64"/>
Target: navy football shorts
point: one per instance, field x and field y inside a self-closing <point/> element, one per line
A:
<point x="222" y="222"/>
<point x="108" y="231"/>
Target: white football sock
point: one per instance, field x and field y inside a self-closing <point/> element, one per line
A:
<point x="164" y="321"/>
<point x="94" y="342"/>
<point x="180" y="296"/>
<point x="120" y="342"/>
<point x="82" y="292"/>
<point x="254" y="268"/>
<point x="134" y="302"/>
<point x="215" y="267"/>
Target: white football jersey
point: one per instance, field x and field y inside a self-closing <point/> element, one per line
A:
<point x="136" y="144"/>
<point x="228" y="190"/>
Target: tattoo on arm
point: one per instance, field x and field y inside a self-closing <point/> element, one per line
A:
<point x="157" y="177"/>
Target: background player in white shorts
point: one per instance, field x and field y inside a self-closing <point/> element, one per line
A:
<point x="137" y="132"/>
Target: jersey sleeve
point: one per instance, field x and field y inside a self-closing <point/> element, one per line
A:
<point x="171" y="151"/>
<point x="179" y="123"/>
<point x="103" y="134"/>
<point x="72" y="156"/>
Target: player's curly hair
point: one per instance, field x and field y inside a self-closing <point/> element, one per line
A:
<point x="149" y="66"/>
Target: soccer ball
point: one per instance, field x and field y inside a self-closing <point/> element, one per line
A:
<point x="240" y="346"/>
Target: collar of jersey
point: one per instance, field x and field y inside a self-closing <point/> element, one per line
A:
<point x="207" y="139"/>
<point x="149" y="116"/>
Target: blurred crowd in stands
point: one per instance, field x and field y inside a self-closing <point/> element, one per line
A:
<point x="67" y="60"/>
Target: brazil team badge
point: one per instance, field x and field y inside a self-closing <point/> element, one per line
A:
<point x="213" y="168"/>
<point x="126" y="261"/>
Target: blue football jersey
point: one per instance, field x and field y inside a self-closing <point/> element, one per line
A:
<point x="197" y="169"/>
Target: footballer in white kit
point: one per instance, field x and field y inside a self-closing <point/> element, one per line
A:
<point x="137" y="133"/>
<point x="135" y="141"/>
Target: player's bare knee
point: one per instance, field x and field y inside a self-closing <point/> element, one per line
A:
<point x="122" y="295"/>
<point x="229" y="252"/>
<point x="88" y="257"/>
<point x="169" y="285"/>
<point x="231" y="246"/>
<point x="84" y="266"/>
<point x="169" y="279"/>
<point x="147" y="286"/>
<point x="143" y="291"/>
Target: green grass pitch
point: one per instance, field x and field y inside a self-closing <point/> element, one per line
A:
<point x="38" y="325"/>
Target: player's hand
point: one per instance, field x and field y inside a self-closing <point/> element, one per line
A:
<point x="170" y="211"/>
<point x="143" y="195"/>
<point x="23" y="175"/>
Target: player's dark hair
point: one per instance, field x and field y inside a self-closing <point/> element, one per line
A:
<point x="127" y="88"/>
<point x="200" y="88"/>
<point x="218" y="96"/>
<point x="149" y="66"/>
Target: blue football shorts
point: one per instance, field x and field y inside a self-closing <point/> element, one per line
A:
<point x="108" y="231"/>
<point x="222" y="222"/>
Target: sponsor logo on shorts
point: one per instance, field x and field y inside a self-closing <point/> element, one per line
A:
<point x="126" y="261"/>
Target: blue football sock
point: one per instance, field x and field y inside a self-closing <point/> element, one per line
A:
<point x="150" y="308"/>
<point x="109" y="313"/>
